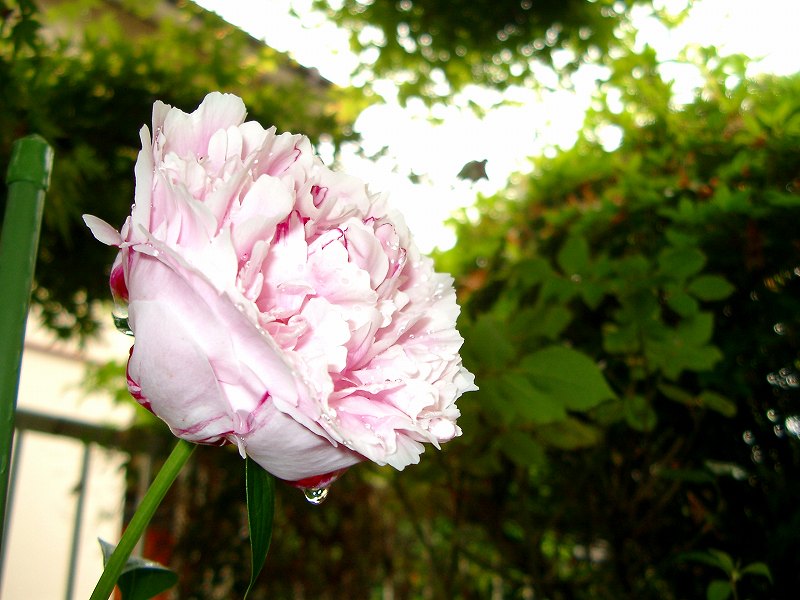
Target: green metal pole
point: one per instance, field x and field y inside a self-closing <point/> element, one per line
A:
<point x="28" y="178"/>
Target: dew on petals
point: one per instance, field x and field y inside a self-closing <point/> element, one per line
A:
<point x="119" y="314"/>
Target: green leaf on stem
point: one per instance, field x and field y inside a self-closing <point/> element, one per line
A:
<point x="140" y="579"/>
<point x="260" y="511"/>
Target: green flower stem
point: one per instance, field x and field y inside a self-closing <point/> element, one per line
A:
<point x="155" y="494"/>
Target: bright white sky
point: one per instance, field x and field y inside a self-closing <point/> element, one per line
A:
<point x="506" y="136"/>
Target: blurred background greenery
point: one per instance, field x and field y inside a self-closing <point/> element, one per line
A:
<point x="632" y="314"/>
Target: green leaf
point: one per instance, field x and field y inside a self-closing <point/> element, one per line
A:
<point x="718" y="590"/>
<point x="531" y="271"/>
<point x="782" y="200"/>
<point x="758" y="568"/>
<point x="639" y="414"/>
<point x="140" y="579"/>
<point x="713" y="558"/>
<point x="708" y="399"/>
<point x="568" y="376"/>
<point x="521" y="448"/>
<point x="260" y="511"/>
<point x="680" y="238"/>
<point x="592" y="293"/>
<point x="681" y="263"/>
<point x="569" y="434"/>
<point x="492" y="401"/>
<point x="621" y="339"/>
<point x="573" y="258"/>
<point x="608" y="413"/>
<point x="696" y="330"/>
<point x="677" y="394"/>
<point x="557" y="289"/>
<point x="675" y="357"/>
<point x="718" y="403"/>
<point x="710" y="287"/>
<point x="487" y="344"/>
<point x="724" y="560"/>
<point x="683" y="304"/>
<point x="547" y="321"/>
<point x="529" y="404"/>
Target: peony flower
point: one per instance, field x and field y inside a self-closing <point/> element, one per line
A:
<point x="278" y="305"/>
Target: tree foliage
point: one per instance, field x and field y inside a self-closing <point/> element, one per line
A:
<point x="87" y="83"/>
<point x="672" y="264"/>
<point x="425" y="43"/>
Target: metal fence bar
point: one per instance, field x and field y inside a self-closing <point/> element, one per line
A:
<point x="12" y="486"/>
<point x="83" y="484"/>
<point x="28" y="177"/>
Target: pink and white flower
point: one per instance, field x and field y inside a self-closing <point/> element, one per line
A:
<point x="278" y="305"/>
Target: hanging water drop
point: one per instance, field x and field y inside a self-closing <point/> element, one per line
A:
<point x="120" y="316"/>
<point x="316" y="496"/>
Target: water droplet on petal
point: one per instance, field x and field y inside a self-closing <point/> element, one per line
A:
<point x="120" y="316"/>
<point x="316" y="496"/>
